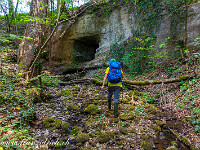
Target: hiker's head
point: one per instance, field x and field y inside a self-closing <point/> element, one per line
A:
<point x="113" y="60"/>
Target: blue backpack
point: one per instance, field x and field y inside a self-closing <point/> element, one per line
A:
<point x="115" y="75"/>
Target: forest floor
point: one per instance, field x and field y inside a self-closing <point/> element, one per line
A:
<point x="76" y="116"/>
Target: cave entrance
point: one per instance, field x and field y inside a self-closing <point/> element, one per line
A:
<point x="84" y="49"/>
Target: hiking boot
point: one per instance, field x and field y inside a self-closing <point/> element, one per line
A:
<point x="116" y="113"/>
<point x="109" y="104"/>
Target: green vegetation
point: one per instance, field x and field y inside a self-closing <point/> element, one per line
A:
<point x="139" y="56"/>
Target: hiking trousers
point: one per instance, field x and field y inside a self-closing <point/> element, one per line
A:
<point x="116" y="91"/>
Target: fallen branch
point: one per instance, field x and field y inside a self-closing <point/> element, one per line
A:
<point x="165" y="81"/>
<point x="130" y="84"/>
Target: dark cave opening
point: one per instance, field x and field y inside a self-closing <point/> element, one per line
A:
<point x="84" y="49"/>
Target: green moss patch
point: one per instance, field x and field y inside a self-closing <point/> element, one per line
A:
<point x="103" y="137"/>
<point x="82" y="137"/>
<point x="58" y="123"/>
<point x="48" y="122"/>
<point x="92" y="109"/>
<point x="73" y="107"/>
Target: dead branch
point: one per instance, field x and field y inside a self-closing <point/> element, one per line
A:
<point x="131" y="84"/>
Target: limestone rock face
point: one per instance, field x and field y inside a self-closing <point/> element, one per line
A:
<point x="90" y="38"/>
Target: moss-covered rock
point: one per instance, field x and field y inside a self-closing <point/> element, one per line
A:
<point x="129" y="116"/>
<point x="132" y="130"/>
<point x="92" y="109"/>
<point x="123" y="130"/>
<point x="103" y="137"/>
<point x="82" y="137"/>
<point x="48" y="122"/>
<point x="75" y="130"/>
<point x="157" y="128"/>
<point x="145" y="145"/>
<point x="65" y="126"/>
<point x="110" y="133"/>
<point x="64" y="92"/>
<point x="58" y="123"/>
<point x="73" y="107"/>
<point x="162" y="124"/>
<point x="89" y="147"/>
<point x="114" y="120"/>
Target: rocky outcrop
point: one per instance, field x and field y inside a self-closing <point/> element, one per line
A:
<point x="90" y="38"/>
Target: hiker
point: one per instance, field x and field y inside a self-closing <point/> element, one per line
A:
<point x="114" y="74"/>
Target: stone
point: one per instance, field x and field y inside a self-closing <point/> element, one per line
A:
<point x="171" y="148"/>
<point x="82" y="137"/>
<point x="103" y="137"/>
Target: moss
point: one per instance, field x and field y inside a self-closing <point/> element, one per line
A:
<point x="110" y="133"/>
<point x="127" y="97"/>
<point x="161" y="123"/>
<point x="145" y="145"/>
<point x="73" y="107"/>
<point x="174" y="143"/>
<point x="145" y="136"/>
<point x="132" y="130"/>
<point x="93" y="143"/>
<point x="123" y="130"/>
<point x="129" y="116"/>
<point x="186" y="141"/>
<point x="89" y="147"/>
<point x="66" y="126"/>
<point x="116" y="132"/>
<point x="184" y="77"/>
<point x="91" y="134"/>
<point x="82" y="137"/>
<point x="92" y="109"/>
<point x="107" y="114"/>
<point x="157" y="128"/>
<point x="58" y="123"/>
<point x="76" y="88"/>
<point x="64" y="139"/>
<point x="103" y="137"/>
<point x="136" y="98"/>
<point x="135" y="92"/>
<point x="188" y="118"/>
<point x="131" y="108"/>
<point x="75" y="130"/>
<point x="115" y="120"/>
<point x="48" y="122"/>
<point x="64" y="92"/>
<point x="123" y="124"/>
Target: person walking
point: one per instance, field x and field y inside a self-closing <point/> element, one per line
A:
<point x="114" y="74"/>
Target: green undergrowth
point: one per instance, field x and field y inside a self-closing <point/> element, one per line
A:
<point x="17" y="108"/>
<point x="188" y="99"/>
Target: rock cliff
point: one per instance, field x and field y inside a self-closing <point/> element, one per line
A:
<point x="89" y="39"/>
